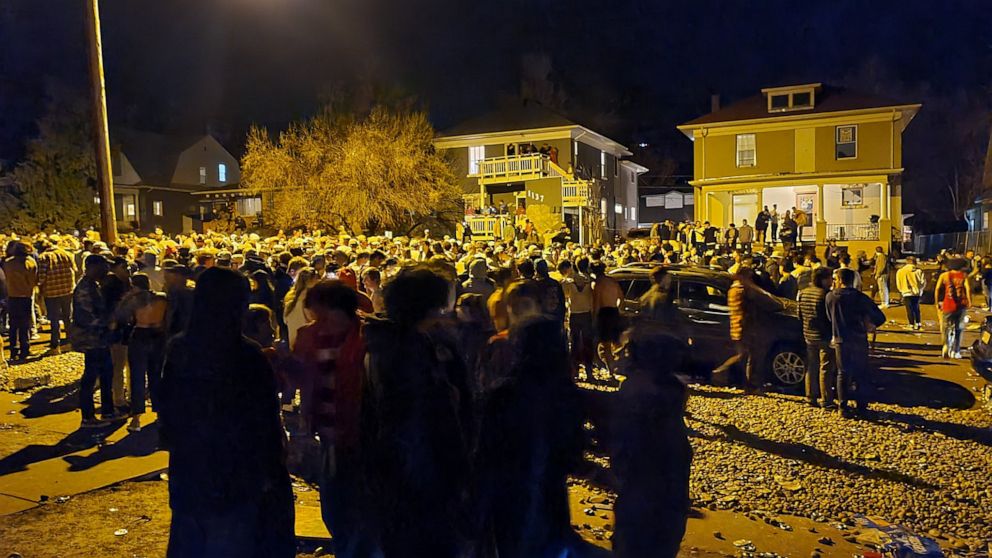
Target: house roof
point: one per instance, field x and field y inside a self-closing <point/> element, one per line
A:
<point x="153" y="156"/>
<point x="828" y="99"/>
<point x="521" y="116"/>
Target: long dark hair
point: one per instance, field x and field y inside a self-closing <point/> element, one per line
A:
<point x="220" y="302"/>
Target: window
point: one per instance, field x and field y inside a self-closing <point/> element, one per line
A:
<point x="700" y="296"/>
<point x="618" y="208"/>
<point x="222" y="172"/>
<point x="602" y="207"/>
<point x="797" y="97"/>
<point x="802" y="100"/>
<point x="779" y="102"/>
<point x="633" y="213"/>
<point x="602" y="164"/>
<point x="846" y="142"/>
<point x="203" y="175"/>
<point x="96" y="200"/>
<point x="746" y="155"/>
<point x="575" y="149"/>
<point x="476" y="153"/>
<point x="157" y="208"/>
<point x="852" y="196"/>
<point x="129" y="209"/>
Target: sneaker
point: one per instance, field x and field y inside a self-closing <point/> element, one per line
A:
<point x="93" y="423"/>
<point x="134" y="425"/>
<point x="956" y="355"/>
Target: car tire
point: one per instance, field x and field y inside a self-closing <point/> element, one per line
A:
<point x="787" y="365"/>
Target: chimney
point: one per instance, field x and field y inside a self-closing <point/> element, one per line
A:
<point x="714" y="102"/>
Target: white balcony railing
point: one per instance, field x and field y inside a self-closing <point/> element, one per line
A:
<point x="859" y="231"/>
<point x="513" y="167"/>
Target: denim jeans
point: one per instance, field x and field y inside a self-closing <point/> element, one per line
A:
<point x="853" y="375"/>
<point x="19" y="311"/>
<point x="59" y="309"/>
<point x="912" y="304"/>
<point x="96" y="365"/>
<point x="953" y="328"/>
<point x="145" y="352"/>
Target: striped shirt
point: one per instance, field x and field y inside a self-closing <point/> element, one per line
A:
<point x="56" y="273"/>
<point x="813" y="314"/>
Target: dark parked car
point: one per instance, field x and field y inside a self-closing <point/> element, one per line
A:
<point x="981" y="351"/>
<point x="701" y="297"/>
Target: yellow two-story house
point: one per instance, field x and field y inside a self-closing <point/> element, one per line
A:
<point x="834" y="153"/>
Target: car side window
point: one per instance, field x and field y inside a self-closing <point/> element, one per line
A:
<point x="637" y="289"/>
<point x="702" y="296"/>
<point x="625" y="284"/>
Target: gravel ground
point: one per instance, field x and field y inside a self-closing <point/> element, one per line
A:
<point x="927" y="469"/>
<point x="61" y="370"/>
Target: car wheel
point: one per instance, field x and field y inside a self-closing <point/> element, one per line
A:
<point x="788" y="366"/>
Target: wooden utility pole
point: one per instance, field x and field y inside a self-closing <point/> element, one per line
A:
<point x="101" y="134"/>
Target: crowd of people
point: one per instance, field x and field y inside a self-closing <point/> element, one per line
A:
<point x="433" y="380"/>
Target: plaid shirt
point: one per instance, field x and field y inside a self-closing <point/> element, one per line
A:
<point x="56" y="273"/>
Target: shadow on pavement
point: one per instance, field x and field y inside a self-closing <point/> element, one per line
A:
<point x="814" y="456"/>
<point x="78" y="440"/>
<point x="135" y="444"/>
<point x="52" y="401"/>
<point x="911" y="389"/>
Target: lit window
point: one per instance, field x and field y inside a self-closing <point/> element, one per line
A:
<point x="633" y="213"/>
<point x="746" y="155"/>
<point x="846" y="142"/>
<point x="203" y="175"/>
<point x="96" y="200"/>
<point x="618" y="208"/>
<point x="602" y="207"/>
<point x="602" y="164"/>
<point x="129" y="209"/>
<point x="157" y="208"/>
<point x="476" y="153"/>
<point x="222" y="172"/>
<point x="575" y="148"/>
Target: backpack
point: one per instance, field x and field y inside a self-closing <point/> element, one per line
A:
<point x="955" y="294"/>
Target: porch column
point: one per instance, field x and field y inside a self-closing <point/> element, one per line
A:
<point x="884" y="221"/>
<point x="821" y="220"/>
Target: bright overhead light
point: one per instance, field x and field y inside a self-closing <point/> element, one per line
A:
<point x="642" y="145"/>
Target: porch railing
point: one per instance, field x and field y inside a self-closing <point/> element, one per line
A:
<point x="513" y="167"/>
<point x="857" y="231"/>
<point x="574" y="192"/>
<point x="487" y="227"/>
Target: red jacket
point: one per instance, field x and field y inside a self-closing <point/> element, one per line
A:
<point x="348" y="371"/>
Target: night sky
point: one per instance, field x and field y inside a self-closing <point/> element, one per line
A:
<point x="632" y="69"/>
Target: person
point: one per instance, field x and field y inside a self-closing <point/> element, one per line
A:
<point x="56" y="279"/>
<point x="229" y="488"/>
<point x="650" y="450"/>
<point x="577" y="286"/>
<point x="607" y="296"/>
<point x="415" y="406"/>
<point x="658" y="303"/>
<point x="179" y="297"/>
<point x="773" y="218"/>
<point x="821" y="374"/>
<point x="910" y="281"/>
<point x="746" y="236"/>
<point x="372" y="282"/>
<point x="761" y="225"/>
<point x="552" y="297"/>
<point x="748" y="304"/>
<point x="881" y="275"/>
<point x="832" y="254"/>
<point x="332" y="351"/>
<point x="730" y="237"/>
<point x="788" y="233"/>
<point x="478" y="281"/>
<point x="802" y="219"/>
<point x="953" y="297"/>
<point x="474" y="329"/>
<point x="22" y="278"/>
<point x="294" y="311"/>
<point x="115" y="287"/>
<point x="986" y="278"/>
<point x="852" y="314"/>
<point x="496" y="305"/>
<point x="90" y="335"/>
<point x="709" y="236"/>
<point x="142" y="313"/>
<point x="530" y="437"/>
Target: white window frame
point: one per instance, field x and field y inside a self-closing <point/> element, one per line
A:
<point x="754" y="151"/>
<point x="221" y="172"/>
<point x="602" y="164"/>
<point x="130" y="209"/>
<point x="157" y="208"/>
<point x="203" y="175"/>
<point x="476" y="153"/>
<point x="837" y="142"/>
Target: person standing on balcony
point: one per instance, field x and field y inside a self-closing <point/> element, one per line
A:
<point x="553" y="152"/>
<point x="745" y="236"/>
<point x="773" y="219"/>
<point x="761" y="225"/>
